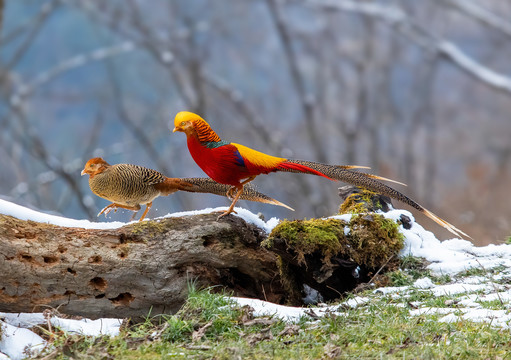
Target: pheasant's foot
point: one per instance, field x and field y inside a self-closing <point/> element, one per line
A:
<point x="107" y="209"/>
<point x="227" y="212"/>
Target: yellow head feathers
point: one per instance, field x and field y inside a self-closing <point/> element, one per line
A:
<point x="192" y="124"/>
<point x="184" y="117"/>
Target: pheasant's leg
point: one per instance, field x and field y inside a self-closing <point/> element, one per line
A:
<point x="147" y="207"/>
<point x="231" y="208"/>
<point x="238" y="194"/>
<point x="230" y="192"/>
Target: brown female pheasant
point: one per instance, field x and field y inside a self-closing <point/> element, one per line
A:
<point x="129" y="186"/>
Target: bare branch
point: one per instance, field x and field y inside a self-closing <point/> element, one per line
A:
<point x="25" y="90"/>
<point x="306" y="99"/>
<point x="474" y="68"/>
<point x="164" y="57"/>
<point x="236" y="98"/>
<point x="46" y="10"/>
<point x="484" y="16"/>
<point x="390" y="14"/>
<point x="38" y="150"/>
<point x="136" y="130"/>
<point x="43" y="13"/>
<point x="398" y="19"/>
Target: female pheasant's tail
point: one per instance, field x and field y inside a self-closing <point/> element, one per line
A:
<point x="207" y="185"/>
<point x="368" y="181"/>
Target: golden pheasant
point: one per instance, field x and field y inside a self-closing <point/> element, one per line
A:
<point x="236" y="165"/>
<point x="129" y="186"/>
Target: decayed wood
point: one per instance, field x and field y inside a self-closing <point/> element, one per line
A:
<point x="131" y="271"/>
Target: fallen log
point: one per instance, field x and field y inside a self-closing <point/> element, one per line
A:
<point x="135" y="270"/>
<point x="147" y="267"/>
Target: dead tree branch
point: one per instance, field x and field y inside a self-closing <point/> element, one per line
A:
<point x="27" y="88"/>
<point x="482" y="15"/>
<point x="409" y="28"/>
<point x="306" y="98"/>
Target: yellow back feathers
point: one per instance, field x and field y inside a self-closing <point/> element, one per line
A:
<point x="256" y="158"/>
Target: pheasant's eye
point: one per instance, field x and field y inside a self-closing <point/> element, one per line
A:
<point x="182" y="123"/>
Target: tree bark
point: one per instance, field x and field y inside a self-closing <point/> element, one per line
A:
<point x="136" y="270"/>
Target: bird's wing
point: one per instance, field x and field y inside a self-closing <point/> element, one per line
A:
<point x="149" y="176"/>
<point x="257" y="159"/>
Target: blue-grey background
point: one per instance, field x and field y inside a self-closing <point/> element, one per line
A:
<point x="418" y="90"/>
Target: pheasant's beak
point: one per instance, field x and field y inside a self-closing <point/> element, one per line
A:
<point x="176" y="129"/>
<point x="83" y="172"/>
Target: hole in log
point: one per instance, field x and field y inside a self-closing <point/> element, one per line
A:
<point x="123" y="299"/>
<point x="96" y="259"/>
<point x="50" y="259"/>
<point x="27" y="258"/>
<point x="123" y="239"/>
<point x="71" y="271"/>
<point x="98" y="283"/>
<point x="61" y="249"/>
<point x="122" y="254"/>
<point x="100" y="296"/>
<point x="209" y="241"/>
<point x="239" y="281"/>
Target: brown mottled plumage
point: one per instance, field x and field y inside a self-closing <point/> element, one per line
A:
<point x="129" y="186"/>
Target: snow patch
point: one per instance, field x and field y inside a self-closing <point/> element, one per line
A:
<point x="23" y="213"/>
<point x="245" y="214"/>
<point x="105" y="326"/>
<point x="423" y="283"/>
<point x="16" y="342"/>
<point x="287" y="313"/>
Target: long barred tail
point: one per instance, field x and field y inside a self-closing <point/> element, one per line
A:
<point x="367" y="181"/>
<point x="207" y="185"/>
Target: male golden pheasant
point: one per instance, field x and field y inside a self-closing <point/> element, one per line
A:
<point x="129" y="186"/>
<point x="236" y="165"/>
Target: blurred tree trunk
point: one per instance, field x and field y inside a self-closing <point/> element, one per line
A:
<point x="2" y="5"/>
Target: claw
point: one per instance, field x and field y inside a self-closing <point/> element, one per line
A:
<point x="107" y="209"/>
<point x="226" y="212"/>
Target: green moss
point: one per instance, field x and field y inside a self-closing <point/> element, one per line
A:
<point x="360" y="202"/>
<point x="371" y="239"/>
<point x="150" y="228"/>
<point x="308" y="236"/>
